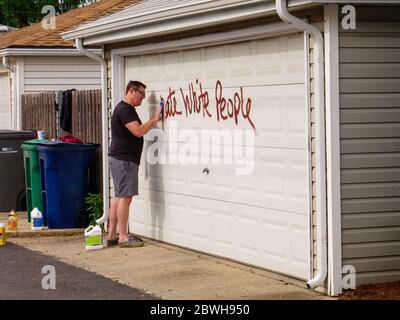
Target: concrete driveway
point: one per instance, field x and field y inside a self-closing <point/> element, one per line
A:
<point x="169" y="272"/>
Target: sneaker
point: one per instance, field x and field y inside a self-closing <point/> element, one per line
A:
<point x="111" y="243"/>
<point x="133" y="241"/>
<point x="132" y="236"/>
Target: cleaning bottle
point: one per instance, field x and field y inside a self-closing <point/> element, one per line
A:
<point x="93" y="238"/>
<point x="12" y="220"/>
<point x="36" y="219"/>
<point x="2" y="234"/>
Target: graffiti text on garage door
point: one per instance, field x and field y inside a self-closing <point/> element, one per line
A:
<point x="197" y="101"/>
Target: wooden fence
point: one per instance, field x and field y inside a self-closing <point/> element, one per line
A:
<point x="87" y="124"/>
<point x="39" y="112"/>
<point x="86" y="115"/>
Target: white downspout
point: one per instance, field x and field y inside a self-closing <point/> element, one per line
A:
<point x="6" y="63"/>
<point x="104" y="119"/>
<point x="319" y="88"/>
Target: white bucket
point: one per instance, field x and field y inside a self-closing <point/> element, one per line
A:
<point x="36" y="219"/>
<point x="93" y="238"/>
<point x="41" y="135"/>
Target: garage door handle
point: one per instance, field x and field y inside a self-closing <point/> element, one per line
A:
<point x="206" y="171"/>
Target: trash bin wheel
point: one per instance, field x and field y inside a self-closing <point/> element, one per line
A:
<point x="20" y="204"/>
<point x="82" y="218"/>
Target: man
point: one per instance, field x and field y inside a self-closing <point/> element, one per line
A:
<point x="127" y="133"/>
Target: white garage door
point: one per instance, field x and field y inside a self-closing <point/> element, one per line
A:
<point x="5" y="109"/>
<point x="261" y="217"/>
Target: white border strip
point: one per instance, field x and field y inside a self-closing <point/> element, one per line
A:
<point x="118" y="82"/>
<point x="253" y="33"/>
<point x="309" y="157"/>
<point x="333" y="149"/>
<point x="19" y="90"/>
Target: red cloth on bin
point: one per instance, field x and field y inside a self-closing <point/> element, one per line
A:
<point x="70" y="138"/>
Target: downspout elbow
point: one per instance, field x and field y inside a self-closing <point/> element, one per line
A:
<point x="6" y="63"/>
<point x="104" y="116"/>
<point x="91" y="55"/>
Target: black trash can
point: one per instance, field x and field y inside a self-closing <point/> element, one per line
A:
<point x="12" y="183"/>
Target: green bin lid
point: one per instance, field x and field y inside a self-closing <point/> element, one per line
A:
<point x="32" y="144"/>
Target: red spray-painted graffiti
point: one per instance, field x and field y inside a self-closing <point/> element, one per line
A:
<point x="171" y="107"/>
<point x="233" y="107"/>
<point x="198" y="101"/>
<point x="194" y="103"/>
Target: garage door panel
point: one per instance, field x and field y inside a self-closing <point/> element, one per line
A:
<point x="278" y="180"/>
<point x="260" y="217"/>
<point x="224" y="229"/>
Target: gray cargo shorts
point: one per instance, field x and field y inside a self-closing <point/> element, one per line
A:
<point x="125" y="177"/>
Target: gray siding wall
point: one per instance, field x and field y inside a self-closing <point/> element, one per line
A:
<point x="369" y="62"/>
<point x="61" y="73"/>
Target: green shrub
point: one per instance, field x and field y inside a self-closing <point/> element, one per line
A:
<point x="94" y="207"/>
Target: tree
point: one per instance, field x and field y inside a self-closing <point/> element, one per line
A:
<point x="21" y="13"/>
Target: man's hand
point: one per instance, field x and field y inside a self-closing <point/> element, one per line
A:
<point x="157" y="116"/>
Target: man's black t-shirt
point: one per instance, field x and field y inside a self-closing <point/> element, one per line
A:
<point x="125" y="145"/>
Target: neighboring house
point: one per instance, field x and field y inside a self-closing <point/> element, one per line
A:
<point x="40" y="60"/>
<point x="324" y="193"/>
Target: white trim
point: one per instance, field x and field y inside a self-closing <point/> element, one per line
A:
<point x="247" y="34"/>
<point x="12" y="75"/>
<point x="333" y="149"/>
<point x="357" y="1"/>
<point x="308" y="143"/>
<point x="44" y="52"/>
<point x="14" y="104"/>
<point x="20" y="90"/>
<point x="118" y="83"/>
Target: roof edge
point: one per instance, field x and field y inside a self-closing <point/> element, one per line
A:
<point x="44" y="52"/>
<point x="205" y="14"/>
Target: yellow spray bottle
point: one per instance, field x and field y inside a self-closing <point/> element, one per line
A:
<point x="2" y="234"/>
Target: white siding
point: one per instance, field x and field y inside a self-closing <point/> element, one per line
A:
<point x="61" y="73"/>
<point x="5" y="106"/>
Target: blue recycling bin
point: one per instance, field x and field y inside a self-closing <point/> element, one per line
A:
<point x="65" y="176"/>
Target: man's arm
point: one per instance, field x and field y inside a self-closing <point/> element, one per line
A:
<point x="140" y="130"/>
